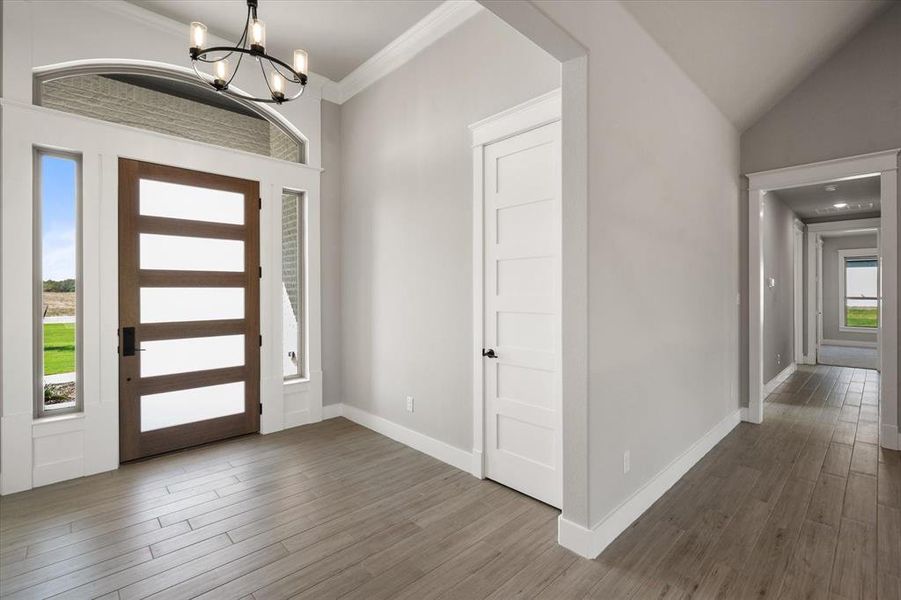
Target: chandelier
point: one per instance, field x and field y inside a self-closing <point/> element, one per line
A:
<point x="252" y="43"/>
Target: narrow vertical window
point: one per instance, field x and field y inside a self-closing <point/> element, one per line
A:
<point x="57" y="204"/>
<point x="292" y="284"/>
<point x="861" y="310"/>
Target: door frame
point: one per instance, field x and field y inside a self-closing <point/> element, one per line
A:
<point x="885" y="164"/>
<point x="532" y="114"/>
<point x="815" y="234"/>
<point x="798" y="290"/>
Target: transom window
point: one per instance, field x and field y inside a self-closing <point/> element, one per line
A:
<point x="859" y="289"/>
<point x="169" y="103"/>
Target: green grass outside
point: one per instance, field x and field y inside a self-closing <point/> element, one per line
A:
<point x="59" y="348"/>
<point x="862" y="317"/>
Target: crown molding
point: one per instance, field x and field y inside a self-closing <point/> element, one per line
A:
<point x="435" y="25"/>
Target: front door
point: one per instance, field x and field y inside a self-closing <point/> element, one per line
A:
<point x="522" y="313"/>
<point x="189" y="334"/>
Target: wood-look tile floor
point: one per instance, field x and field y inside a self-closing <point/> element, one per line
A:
<point x="803" y="506"/>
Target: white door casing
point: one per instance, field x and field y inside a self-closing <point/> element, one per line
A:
<point x="522" y="310"/>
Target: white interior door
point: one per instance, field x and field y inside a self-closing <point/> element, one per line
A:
<point x="522" y="313"/>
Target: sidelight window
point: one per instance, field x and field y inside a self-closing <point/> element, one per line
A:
<point x="57" y="215"/>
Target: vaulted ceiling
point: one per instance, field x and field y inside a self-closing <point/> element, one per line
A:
<point x="747" y="54"/>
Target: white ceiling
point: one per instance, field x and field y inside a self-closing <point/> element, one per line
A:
<point x="815" y="201"/>
<point x="338" y="34"/>
<point x="747" y="54"/>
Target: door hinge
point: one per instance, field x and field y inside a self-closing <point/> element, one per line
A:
<point x="261" y="408"/>
<point x="261" y="203"/>
<point x="261" y="272"/>
<point x="261" y="341"/>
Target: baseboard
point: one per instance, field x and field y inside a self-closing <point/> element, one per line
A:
<point x="418" y="441"/>
<point x="330" y="411"/>
<point x="591" y="542"/>
<point x="773" y="383"/>
<point x="849" y="343"/>
<point x="890" y="437"/>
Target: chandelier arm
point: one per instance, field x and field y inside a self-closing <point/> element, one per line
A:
<point x="265" y="78"/>
<point x="295" y="78"/>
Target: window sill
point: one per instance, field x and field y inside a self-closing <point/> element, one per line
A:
<point x="68" y="416"/>
<point x="846" y="329"/>
<point x="295" y="381"/>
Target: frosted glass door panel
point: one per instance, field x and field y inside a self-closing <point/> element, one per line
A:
<point x="176" y="201"/>
<point x="162" y="305"/>
<point x="189" y="406"/>
<point x="184" y="355"/>
<point x="177" y="253"/>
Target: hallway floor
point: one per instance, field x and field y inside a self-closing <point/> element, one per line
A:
<point x="803" y="506"/>
<point x="848" y="356"/>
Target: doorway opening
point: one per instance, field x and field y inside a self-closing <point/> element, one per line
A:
<point x="823" y="284"/>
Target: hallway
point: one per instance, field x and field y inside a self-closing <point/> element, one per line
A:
<point x="803" y="506"/>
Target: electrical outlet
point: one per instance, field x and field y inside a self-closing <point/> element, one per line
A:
<point x="778" y="359"/>
<point x="409" y="403"/>
<point x="627" y="462"/>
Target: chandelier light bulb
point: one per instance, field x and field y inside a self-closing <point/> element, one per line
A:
<point x="257" y="34"/>
<point x="301" y="61"/>
<point x="277" y="84"/>
<point x="220" y="67"/>
<point x="198" y="35"/>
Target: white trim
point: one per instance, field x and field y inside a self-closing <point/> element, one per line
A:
<point x="843" y="254"/>
<point x="849" y="343"/>
<point x="849" y="227"/>
<point x="531" y="114"/>
<point x="591" y="542"/>
<point x="798" y="289"/>
<point x="776" y="381"/>
<point x="418" y="441"/>
<point x="890" y="437"/>
<point x="851" y="167"/>
<point x="435" y="25"/>
<point x="885" y="164"/>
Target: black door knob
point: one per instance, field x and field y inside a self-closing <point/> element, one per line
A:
<point x="489" y="353"/>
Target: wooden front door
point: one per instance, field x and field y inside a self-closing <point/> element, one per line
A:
<point x="189" y="325"/>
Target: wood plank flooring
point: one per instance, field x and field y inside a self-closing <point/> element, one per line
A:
<point x="803" y="506"/>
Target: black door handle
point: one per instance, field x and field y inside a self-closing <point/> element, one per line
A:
<point x="128" y="342"/>
<point x="489" y="353"/>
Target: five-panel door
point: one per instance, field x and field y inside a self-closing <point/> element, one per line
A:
<point x="189" y="341"/>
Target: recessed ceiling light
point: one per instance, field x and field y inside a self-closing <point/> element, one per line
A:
<point x="840" y="205"/>
<point x="830" y="188"/>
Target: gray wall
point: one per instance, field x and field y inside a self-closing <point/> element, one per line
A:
<point x="851" y="104"/>
<point x="406" y="214"/>
<point x="778" y="302"/>
<point x="831" y="293"/>
<point x="663" y="254"/>
<point x="330" y="252"/>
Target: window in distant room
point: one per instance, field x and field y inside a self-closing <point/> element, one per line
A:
<point x="860" y="309"/>
<point x="57" y="216"/>
<point x="292" y="284"/>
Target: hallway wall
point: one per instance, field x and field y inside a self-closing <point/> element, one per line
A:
<point x="778" y="301"/>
